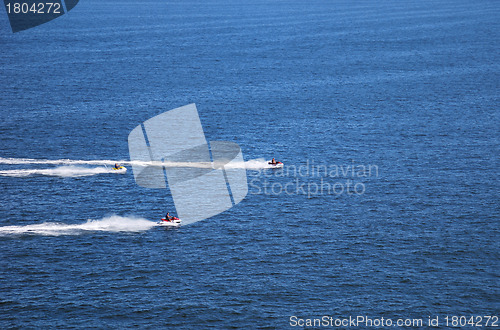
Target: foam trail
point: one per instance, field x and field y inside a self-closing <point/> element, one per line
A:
<point x="113" y="223"/>
<point x="24" y="161"/>
<point x="62" y="171"/>
<point x="254" y="164"/>
<point x="31" y="161"/>
<point x="257" y="164"/>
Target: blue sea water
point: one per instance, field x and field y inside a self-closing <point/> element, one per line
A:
<point x="406" y="89"/>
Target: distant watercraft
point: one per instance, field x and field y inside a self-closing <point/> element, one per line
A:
<point x="121" y="169"/>
<point x="276" y="165"/>
<point x="173" y="222"/>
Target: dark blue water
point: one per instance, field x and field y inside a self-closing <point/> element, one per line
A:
<point x="408" y="88"/>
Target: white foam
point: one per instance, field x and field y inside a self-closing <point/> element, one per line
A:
<point x="257" y="164"/>
<point x="61" y="171"/>
<point x="113" y="223"/>
<point x="70" y="167"/>
<point x="23" y="161"/>
<point x="253" y="164"/>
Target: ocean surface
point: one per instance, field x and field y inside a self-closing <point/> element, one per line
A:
<point x="385" y="114"/>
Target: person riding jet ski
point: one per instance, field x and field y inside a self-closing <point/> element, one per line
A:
<point x="168" y="217"/>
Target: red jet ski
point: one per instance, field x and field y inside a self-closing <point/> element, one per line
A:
<point x="173" y="222"/>
<point x="276" y="165"/>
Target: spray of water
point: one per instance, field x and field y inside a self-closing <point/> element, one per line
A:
<point x="113" y="223"/>
<point x="24" y="161"/>
<point x="61" y="171"/>
<point x="74" y="168"/>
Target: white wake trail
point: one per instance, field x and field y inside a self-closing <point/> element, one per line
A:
<point x="63" y="171"/>
<point x="97" y="162"/>
<point x="257" y="164"/>
<point x="113" y="223"/>
<point x="70" y="168"/>
<point x="25" y="161"/>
